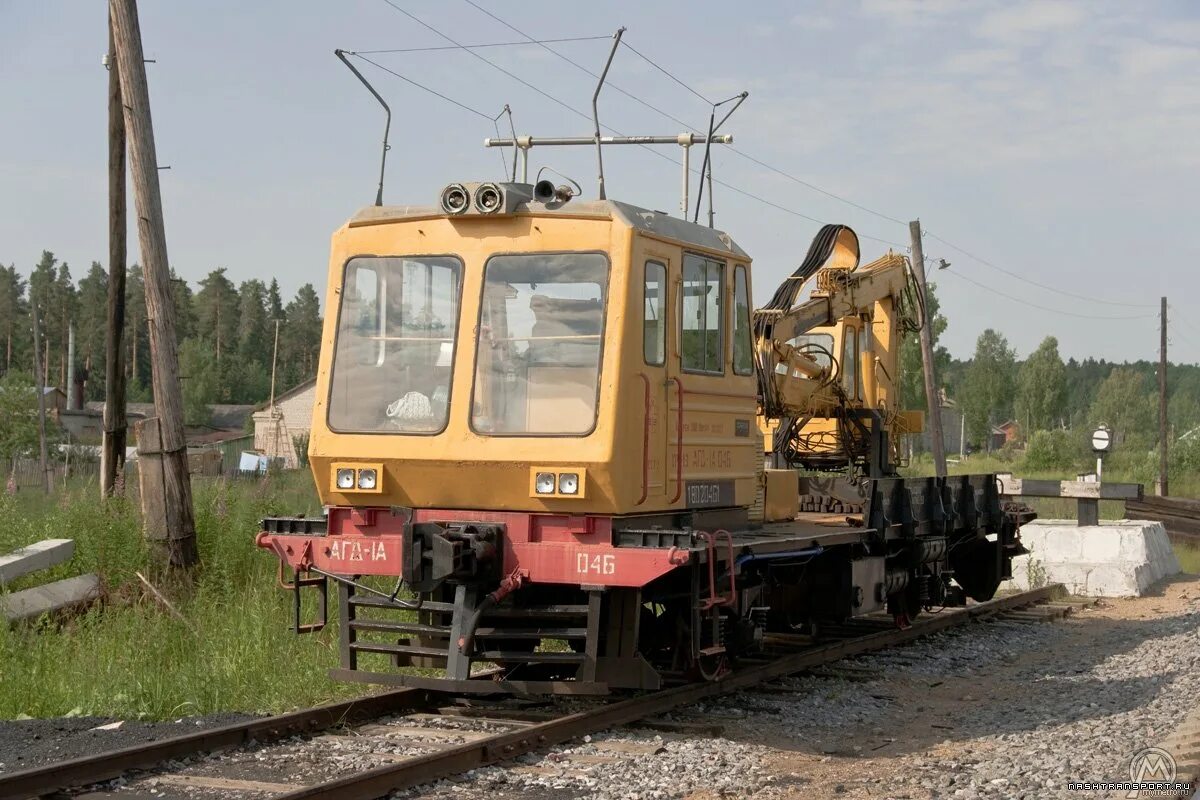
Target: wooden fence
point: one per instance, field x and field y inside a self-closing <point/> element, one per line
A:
<point x="26" y="473"/>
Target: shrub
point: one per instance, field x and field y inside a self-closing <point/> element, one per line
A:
<point x="1052" y="451"/>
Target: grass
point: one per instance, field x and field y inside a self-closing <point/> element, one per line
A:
<point x="127" y="657"/>
<point x="1189" y="558"/>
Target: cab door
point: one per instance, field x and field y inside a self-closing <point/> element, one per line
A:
<point x="654" y="385"/>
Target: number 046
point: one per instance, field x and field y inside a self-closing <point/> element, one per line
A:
<point x="595" y="565"/>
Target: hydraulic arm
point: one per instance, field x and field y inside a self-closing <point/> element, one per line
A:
<point x="828" y="366"/>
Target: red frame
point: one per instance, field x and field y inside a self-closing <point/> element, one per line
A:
<point x="546" y="548"/>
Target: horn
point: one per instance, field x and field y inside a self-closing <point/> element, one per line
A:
<point x="455" y="199"/>
<point x="489" y="198"/>
<point x="543" y="191"/>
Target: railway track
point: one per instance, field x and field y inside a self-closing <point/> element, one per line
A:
<point x="427" y="737"/>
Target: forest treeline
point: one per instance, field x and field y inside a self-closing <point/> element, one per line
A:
<point x="226" y="333"/>
<point x="1057" y="403"/>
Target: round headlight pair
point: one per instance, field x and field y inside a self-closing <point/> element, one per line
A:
<point x="367" y="478"/>
<point x="456" y="199"/>
<point x="566" y="483"/>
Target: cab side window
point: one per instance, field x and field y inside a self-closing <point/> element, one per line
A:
<point x="654" y="316"/>
<point x="743" y="353"/>
<point x="851" y="372"/>
<point x="702" y="337"/>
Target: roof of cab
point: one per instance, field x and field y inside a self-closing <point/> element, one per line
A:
<point x="638" y="218"/>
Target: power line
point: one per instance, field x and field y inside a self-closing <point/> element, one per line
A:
<point x="665" y="114"/>
<point x="731" y="187"/>
<point x="1020" y="277"/>
<point x="581" y="67"/>
<point x="1181" y="318"/>
<point x="664" y="71"/>
<point x="1025" y="302"/>
<point x="814" y="187"/>
<point x="423" y="87"/>
<point x="485" y="60"/>
<point x="478" y="46"/>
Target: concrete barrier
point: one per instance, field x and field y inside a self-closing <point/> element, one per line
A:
<point x="37" y="556"/>
<point x="32" y="603"/>
<point x="1117" y="558"/>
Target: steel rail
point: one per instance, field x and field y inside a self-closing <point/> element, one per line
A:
<point x="91" y="769"/>
<point x="380" y="781"/>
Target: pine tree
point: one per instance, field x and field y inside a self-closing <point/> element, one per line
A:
<point x="300" y="337"/>
<point x="66" y="303"/>
<point x="42" y="293"/>
<point x="987" y="392"/>
<point x="90" y="325"/>
<point x="274" y="302"/>
<point x="14" y="322"/>
<point x="138" y="337"/>
<point x="216" y="306"/>
<point x="185" y="314"/>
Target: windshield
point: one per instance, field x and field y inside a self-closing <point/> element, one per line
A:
<point x="395" y="344"/>
<point x="817" y="346"/>
<point x="540" y="330"/>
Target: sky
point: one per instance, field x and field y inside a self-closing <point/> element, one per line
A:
<point x="1051" y="142"/>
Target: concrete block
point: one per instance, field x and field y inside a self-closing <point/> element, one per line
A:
<point x="1117" y="558"/>
<point x="32" y="603"/>
<point x="37" y="556"/>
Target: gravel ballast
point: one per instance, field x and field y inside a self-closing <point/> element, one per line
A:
<point x="995" y="709"/>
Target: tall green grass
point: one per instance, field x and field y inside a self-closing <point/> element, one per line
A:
<point x="1189" y="558"/>
<point x="129" y="657"/>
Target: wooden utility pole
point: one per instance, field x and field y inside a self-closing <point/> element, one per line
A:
<point x="39" y="378"/>
<point x="931" y="394"/>
<point x="168" y="518"/>
<point x="1162" y="401"/>
<point x="112" y="454"/>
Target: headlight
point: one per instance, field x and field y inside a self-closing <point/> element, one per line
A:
<point x="345" y="479"/>
<point x="568" y="483"/>
<point x="544" y="483"/>
<point x="367" y="478"/>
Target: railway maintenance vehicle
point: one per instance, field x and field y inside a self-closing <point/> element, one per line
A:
<point x="552" y="435"/>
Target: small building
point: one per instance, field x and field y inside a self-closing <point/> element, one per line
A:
<point x="281" y="430"/>
<point x="952" y="429"/>
<point x="56" y="400"/>
<point x="1006" y="433"/>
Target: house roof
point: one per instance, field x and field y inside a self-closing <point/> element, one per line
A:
<point x="299" y="388"/>
<point x="223" y="416"/>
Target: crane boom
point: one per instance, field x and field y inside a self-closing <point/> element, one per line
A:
<point x="833" y="358"/>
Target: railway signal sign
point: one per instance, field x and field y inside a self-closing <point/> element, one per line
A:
<point x="1101" y="439"/>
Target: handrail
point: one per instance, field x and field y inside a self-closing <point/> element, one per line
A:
<point x="678" y="439"/>
<point x="645" y="441"/>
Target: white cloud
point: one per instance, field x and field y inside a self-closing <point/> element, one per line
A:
<point x="1018" y="20"/>
<point x="1142" y="58"/>
<point x="982" y="60"/>
<point x="814" y="22"/>
<point x="910" y="12"/>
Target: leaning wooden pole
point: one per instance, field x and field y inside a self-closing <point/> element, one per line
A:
<point x="112" y="453"/>
<point x="932" y="398"/>
<point x="1163" y="427"/>
<point x="170" y="517"/>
